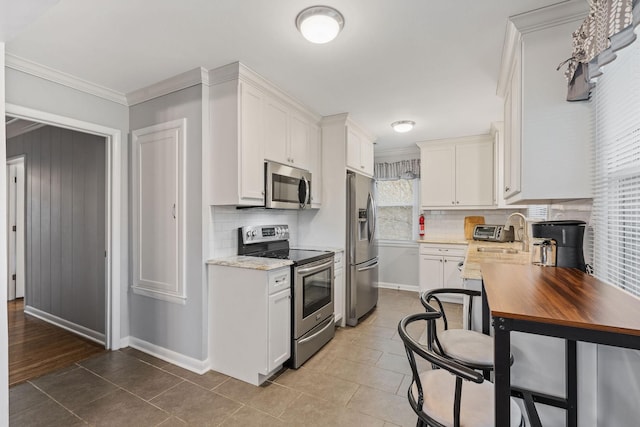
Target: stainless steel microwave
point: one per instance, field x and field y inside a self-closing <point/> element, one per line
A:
<point x="286" y="187"/>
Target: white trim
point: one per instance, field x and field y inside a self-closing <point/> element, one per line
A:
<point x="181" y="81"/>
<point x="164" y="296"/>
<point x="551" y="16"/>
<point x="458" y="140"/>
<point x="65" y="324"/>
<point x="399" y="287"/>
<point x="198" y="366"/>
<point x="4" y="327"/>
<point x="114" y="206"/>
<point x="47" y="73"/>
<point x="19" y="249"/>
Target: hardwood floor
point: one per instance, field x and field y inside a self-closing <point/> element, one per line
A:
<point x="37" y="347"/>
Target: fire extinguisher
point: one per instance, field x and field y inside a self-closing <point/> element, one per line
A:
<point x="421" y="225"/>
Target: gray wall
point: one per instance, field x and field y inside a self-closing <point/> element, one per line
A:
<point x="65" y="223"/>
<point x="40" y="94"/>
<point x="180" y="328"/>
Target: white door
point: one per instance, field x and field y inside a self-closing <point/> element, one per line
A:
<point x="430" y="272"/>
<point x="158" y="177"/>
<point x="437" y="169"/>
<point x="15" y="228"/>
<point x="279" y="340"/>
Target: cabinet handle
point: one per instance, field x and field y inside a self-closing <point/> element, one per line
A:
<point x="506" y="189"/>
<point x="453" y="203"/>
<point x="173" y="211"/>
<point x="457" y="202"/>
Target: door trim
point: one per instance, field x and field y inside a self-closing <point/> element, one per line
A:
<point x="18" y="248"/>
<point x="114" y="205"/>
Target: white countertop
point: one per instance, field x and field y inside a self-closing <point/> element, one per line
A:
<point x="471" y="268"/>
<point x="251" y="262"/>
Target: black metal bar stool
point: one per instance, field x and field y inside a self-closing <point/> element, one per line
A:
<point x="465" y="346"/>
<point x="441" y="399"/>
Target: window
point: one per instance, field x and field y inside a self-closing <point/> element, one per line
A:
<point x="616" y="204"/>
<point x="397" y="209"/>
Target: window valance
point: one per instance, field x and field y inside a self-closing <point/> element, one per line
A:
<point x="609" y="27"/>
<point x="406" y="169"/>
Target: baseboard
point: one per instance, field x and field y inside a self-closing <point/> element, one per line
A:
<point x="399" y="286"/>
<point x="186" y="362"/>
<point x="65" y="324"/>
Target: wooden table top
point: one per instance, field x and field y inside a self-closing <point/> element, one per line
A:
<point x="559" y="296"/>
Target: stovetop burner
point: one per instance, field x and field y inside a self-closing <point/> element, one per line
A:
<point x="268" y="242"/>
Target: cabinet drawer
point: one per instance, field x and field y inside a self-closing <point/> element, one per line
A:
<point x="279" y="280"/>
<point x="442" y="249"/>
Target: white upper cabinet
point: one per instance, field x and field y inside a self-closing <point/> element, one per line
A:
<point x="253" y="121"/>
<point x="359" y="150"/>
<point x="457" y="173"/>
<point x="287" y="135"/>
<point x="547" y="142"/>
<point x="315" y="166"/>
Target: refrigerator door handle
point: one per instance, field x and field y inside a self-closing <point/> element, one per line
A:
<point x="370" y="266"/>
<point x="371" y="214"/>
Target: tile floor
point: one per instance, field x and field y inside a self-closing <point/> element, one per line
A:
<point x="359" y="379"/>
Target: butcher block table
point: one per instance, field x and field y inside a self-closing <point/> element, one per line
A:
<point x="559" y="302"/>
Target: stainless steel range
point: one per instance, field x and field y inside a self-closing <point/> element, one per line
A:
<point x="312" y="286"/>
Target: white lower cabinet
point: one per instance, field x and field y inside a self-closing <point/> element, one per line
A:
<point x="338" y="290"/>
<point x="439" y="266"/>
<point x="250" y="321"/>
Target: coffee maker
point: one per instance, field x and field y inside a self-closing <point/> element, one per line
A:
<point x="569" y="235"/>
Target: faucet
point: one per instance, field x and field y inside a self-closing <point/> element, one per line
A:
<point x="521" y="233"/>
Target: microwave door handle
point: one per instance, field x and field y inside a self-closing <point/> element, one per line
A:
<point x="307" y="196"/>
<point x="303" y="200"/>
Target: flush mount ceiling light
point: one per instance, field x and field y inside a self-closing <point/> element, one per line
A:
<point x="403" y="126"/>
<point x="319" y="24"/>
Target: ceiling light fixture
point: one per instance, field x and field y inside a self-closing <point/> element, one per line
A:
<point x="319" y="24"/>
<point x="403" y="126"/>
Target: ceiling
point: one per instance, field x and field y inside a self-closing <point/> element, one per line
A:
<point x="432" y="61"/>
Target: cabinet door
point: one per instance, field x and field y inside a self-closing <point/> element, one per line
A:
<point x="157" y="165"/>
<point x="275" y="131"/>
<point x="353" y="150"/>
<point x="279" y="335"/>
<point x="251" y="143"/>
<point x="315" y="166"/>
<point x="366" y="156"/>
<point x="451" y="273"/>
<point x="430" y="272"/>
<point x="437" y="182"/>
<point x="474" y="174"/>
<point x="299" y="142"/>
<point x="513" y="139"/>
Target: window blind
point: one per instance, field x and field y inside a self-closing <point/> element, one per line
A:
<point x="616" y="204"/>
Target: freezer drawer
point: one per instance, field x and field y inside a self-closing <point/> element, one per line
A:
<point x="363" y="293"/>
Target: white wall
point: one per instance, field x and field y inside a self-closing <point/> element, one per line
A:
<point x="171" y="328"/>
<point x="4" y="340"/>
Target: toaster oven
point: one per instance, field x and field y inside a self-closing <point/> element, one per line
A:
<point x="493" y="233"/>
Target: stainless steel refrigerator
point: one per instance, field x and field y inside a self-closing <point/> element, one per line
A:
<point x="362" y="249"/>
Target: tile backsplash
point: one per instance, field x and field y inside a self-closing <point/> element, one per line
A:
<point x="451" y="223"/>
<point x="225" y="221"/>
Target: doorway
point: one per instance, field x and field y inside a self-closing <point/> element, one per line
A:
<point x="115" y="203"/>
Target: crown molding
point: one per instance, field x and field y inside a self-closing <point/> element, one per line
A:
<point x="462" y="139"/>
<point x="397" y="152"/>
<point x="181" y="81"/>
<point x="528" y="22"/>
<point x="551" y="16"/>
<point x="239" y="71"/>
<point x="29" y="67"/>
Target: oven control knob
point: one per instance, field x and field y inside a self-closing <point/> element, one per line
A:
<point x="278" y="231"/>
<point x="254" y="233"/>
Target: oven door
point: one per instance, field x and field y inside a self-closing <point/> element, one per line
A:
<point x="313" y="295"/>
<point x="286" y="187"/>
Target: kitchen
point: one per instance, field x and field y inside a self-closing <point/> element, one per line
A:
<point x="179" y="331"/>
